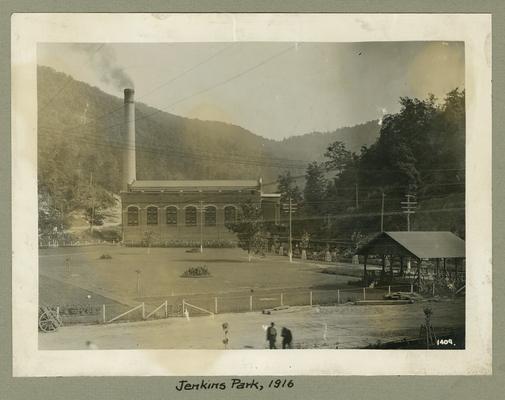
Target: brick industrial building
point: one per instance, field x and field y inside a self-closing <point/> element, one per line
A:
<point x="182" y="210"/>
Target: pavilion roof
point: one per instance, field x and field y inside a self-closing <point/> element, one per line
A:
<point x="420" y="244"/>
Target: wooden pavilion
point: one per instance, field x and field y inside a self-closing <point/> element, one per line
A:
<point x="417" y="246"/>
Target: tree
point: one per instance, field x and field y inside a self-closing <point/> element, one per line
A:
<point x="94" y="216"/>
<point x="288" y="188"/>
<point x="52" y="221"/>
<point x="94" y="200"/>
<point x="249" y="228"/>
<point x="420" y="149"/>
<point x="315" y="189"/>
<point x="148" y="240"/>
<point x="338" y="157"/>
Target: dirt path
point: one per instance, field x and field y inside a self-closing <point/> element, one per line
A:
<point x="345" y="326"/>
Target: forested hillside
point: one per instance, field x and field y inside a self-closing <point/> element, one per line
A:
<point x="420" y="152"/>
<point x="312" y="146"/>
<point x="79" y="142"/>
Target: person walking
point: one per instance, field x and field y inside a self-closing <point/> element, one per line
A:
<point x="287" y="338"/>
<point x="271" y="335"/>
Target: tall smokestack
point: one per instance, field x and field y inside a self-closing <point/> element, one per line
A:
<point x="129" y="167"/>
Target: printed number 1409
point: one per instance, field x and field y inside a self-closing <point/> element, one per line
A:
<point x="444" y="342"/>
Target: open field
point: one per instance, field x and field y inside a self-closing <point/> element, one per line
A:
<point x="238" y="284"/>
<point x="345" y="326"/>
<point x="116" y="279"/>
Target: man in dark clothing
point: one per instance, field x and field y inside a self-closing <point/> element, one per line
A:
<point x="272" y="335"/>
<point x="287" y="338"/>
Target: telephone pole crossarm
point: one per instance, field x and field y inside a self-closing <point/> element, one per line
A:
<point x="409" y="208"/>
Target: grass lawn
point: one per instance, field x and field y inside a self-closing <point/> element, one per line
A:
<point x="161" y="271"/>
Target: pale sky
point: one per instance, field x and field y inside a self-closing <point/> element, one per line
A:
<point x="275" y="90"/>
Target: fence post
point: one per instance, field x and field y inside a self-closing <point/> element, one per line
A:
<point x="143" y="310"/>
<point x="311" y="298"/>
<point x="166" y="308"/>
<point x="183" y="307"/>
<point x="364" y="293"/>
<point x="215" y="305"/>
<point x="411" y="288"/>
<point x="338" y="296"/>
<point x="433" y="289"/>
<point x="58" y="312"/>
<point x="282" y="299"/>
<point x="389" y="289"/>
<point x="250" y="303"/>
<point x="103" y="314"/>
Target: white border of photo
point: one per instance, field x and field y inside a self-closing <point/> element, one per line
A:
<point x="29" y="29"/>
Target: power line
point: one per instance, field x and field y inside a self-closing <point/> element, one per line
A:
<point x="376" y="214"/>
<point x="187" y="70"/>
<point x="68" y="80"/>
<point x="178" y="151"/>
<point x="260" y="162"/>
<point x="93" y="139"/>
<point x="119" y="142"/>
<point x="297" y="177"/>
<point x="221" y="83"/>
<point x="94" y="120"/>
<point x="169" y="153"/>
<point x="367" y="215"/>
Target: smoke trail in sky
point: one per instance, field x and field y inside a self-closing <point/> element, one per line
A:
<point x="104" y="62"/>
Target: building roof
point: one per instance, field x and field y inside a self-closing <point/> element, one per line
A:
<point x="432" y="244"/>
<point x="194" y="185"/>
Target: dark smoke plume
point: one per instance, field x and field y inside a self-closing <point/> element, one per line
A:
<point x="103" y="59"/>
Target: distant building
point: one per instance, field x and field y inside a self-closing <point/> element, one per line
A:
<point x="182" y="210"/>
<point x="187" y="210"/>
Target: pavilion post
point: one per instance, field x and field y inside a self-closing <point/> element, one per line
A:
<point x="445" y="268"/>
<point x="401" y="265"/>
<point x="365" y="277"/>
<point x="438" y="267"/>
<point x="391" y="266"/>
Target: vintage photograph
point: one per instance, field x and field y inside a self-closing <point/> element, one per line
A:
<point x="251" y="195"/>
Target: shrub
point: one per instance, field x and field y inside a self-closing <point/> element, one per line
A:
<point x="196" y="272"/>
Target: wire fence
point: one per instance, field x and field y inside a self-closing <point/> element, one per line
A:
<point x="50" y="243"/>
<point x="204" y="304"/>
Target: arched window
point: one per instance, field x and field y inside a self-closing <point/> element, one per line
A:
<point x="190" y="217"/>
<point x="230" y="215"/>
<point x="171" y="213"/>
<point x="152" y="215"/>
<point x="210" y="216"/>
<point x="133" y="216"/>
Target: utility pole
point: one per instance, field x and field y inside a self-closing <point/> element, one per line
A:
<point x="201" y="226"/>
<point x="92" y="192"/>
<point x="290" y="207"/>
<point x="290" y="232"/>
<point x="409" y="207"/>
<point x="382" y="213"/>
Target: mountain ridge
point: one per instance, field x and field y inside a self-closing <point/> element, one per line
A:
<point x="81" y="125"/>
